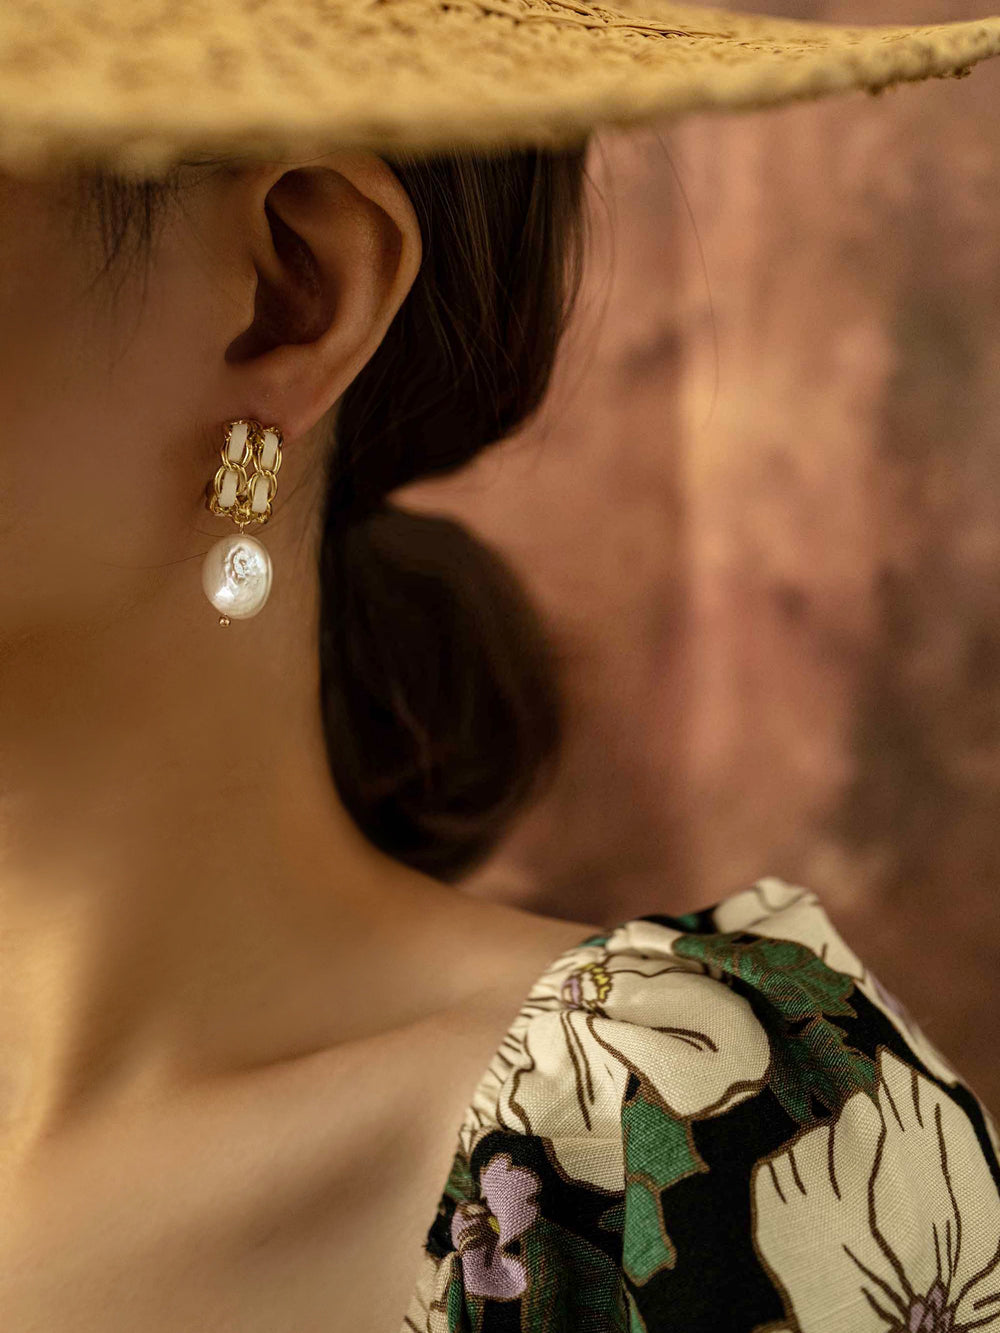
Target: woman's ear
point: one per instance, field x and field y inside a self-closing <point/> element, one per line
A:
<point x="325" y="253"/>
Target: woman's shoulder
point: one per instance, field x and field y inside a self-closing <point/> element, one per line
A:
<point x="721" y="1120"/>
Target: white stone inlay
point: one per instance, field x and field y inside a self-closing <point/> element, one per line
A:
<point x="237" y="442"/>
<point x="260" y="490"/>
<point x="269" y="450"/>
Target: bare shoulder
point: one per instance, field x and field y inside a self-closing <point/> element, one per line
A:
<point x="333" y="1166"/>
<point x="507" y="948"/>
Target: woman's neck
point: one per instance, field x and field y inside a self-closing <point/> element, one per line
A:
<point x="181" y="892"/>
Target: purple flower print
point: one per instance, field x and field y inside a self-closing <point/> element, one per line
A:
<point x="481" y="1232"/>
<point x="930" y="1314"/>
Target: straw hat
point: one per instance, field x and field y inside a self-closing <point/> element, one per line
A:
<point x="135" y="84"/>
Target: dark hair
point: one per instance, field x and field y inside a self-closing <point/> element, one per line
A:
<point x="440" y="685"/>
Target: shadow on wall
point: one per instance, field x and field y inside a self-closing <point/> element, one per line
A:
<point x="762" y="509"/>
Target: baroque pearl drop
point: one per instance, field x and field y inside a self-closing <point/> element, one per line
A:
<point x="236" y="576"/>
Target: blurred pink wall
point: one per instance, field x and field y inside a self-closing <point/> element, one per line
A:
<point x="762" y="511"/>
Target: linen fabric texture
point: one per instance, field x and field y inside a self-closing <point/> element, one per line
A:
<point x="717" y="1123"/>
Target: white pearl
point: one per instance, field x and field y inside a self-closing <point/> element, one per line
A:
<point x="236" y="576"/>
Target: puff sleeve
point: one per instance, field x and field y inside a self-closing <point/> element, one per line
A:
<point x="717" y="1122"/>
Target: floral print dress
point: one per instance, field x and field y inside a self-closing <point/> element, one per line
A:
<point x="717" y="1123"/>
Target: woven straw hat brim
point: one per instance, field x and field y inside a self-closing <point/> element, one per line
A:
<point x="136" y="85"/>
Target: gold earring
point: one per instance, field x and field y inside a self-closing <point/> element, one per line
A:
<point x="236" y="575"/>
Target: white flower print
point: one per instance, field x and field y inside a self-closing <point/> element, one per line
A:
<point x="886" y="1220"/>
<point x="788" y="912"/>
<point x="427" y="1311"/>
<point x="601" y="1013"/>
<point x="437" y="1313"/>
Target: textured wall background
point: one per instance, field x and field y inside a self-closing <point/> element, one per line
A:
<point x="762" y="509"/>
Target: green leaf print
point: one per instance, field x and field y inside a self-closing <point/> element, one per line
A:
<point x="541" y="1300"/>
<point x="814" y="1060"/>
<point x="647" y="1247"/>
<point x="460" y="1186"/>
<point x="636" y="1323"/>
<point x="457" y="1307"/>
<point x="817" y="1060"/>
<point x="573" y="1284"/>
<point x="658" y="1146"/>
<point x="659" y="1151"/>
<point x="794" y="979"/>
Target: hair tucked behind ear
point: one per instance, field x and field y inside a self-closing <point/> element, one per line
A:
<point x="440" y="686"/>
<point x="440" y="689"/>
